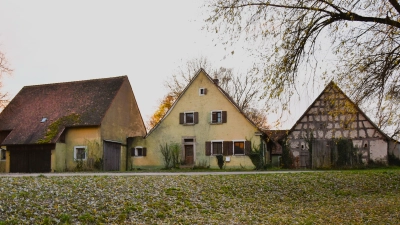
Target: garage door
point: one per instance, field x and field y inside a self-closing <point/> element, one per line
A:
<point x="30" y="159"/>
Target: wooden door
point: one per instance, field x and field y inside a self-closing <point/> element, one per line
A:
<point x="112" y="156"/>
<point x="189" y="159"/>
<point x="30" y="159"/>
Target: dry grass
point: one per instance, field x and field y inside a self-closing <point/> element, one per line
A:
<point x="348" y="197"/>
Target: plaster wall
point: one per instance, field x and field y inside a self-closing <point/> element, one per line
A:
<point x="2" y="166"/>
<point x="3" y="163"/>
<point x="60" y="158"/>
<point x="123" y="120"/>
<point x="86" y="136"/>
<point x="170" y="131"/>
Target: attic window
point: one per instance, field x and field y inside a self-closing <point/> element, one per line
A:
<point x="44" y="119"/>
<point x="202" y="91"/>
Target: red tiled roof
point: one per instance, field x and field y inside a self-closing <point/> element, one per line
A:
<point x="79" y="103"/>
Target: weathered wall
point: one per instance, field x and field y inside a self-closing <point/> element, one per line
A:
<point x="88" y="136"/>
<point x="394" y="148"/>
<point x="332" y="115"/>
<point x="2" y="166"/>
<point x="3" y="163"/>
<point x="60" y="158"/>
<point x="170" y="131"/>
<point x="122" y="120"/>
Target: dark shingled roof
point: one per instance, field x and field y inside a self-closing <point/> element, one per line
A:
<point x="79" y="103"/>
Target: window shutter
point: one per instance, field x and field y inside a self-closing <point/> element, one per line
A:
<point x="247" y="147"/>
<point x="144" y="151"/>
<point x="196" y="117"/>
<point x="228" y="148"/>
<point x="132" y="151"/>
<point x="224" y="116"/>
<point x="205" y="91"/>
<point x="208" y="148"/>
<point x="181" y="118"/>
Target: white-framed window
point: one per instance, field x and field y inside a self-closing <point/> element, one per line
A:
<point x="188" y="118"/>
<point x="202" y="91"/>
<point x="138" y="151"/>
<point x="80" y="153"/>
<point x="218" y="116"/>
<point x="217" y="147"/>
<point x="238" y="147"/>
<point x="2" y="154"/>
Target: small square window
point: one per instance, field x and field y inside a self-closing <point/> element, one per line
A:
<point x="80" y="152"/>
<point x="202" y="91"/>
<point x="2" y="154"/>
<point x="138" y="151"/>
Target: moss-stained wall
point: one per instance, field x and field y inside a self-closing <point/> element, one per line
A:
<point x="3" y="163"/>
<point x="60" y="158"/>
<point x="170" y="131"/>
<point x="2" y="166"/>
<point x="394" y="148"/>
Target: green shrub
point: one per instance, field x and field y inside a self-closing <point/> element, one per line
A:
<point x="220" y="161"/>
<point x="393" y="160"/>
<point x="170" y="155"/>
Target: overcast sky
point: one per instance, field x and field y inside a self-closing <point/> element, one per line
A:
<point x="58" y="41"/>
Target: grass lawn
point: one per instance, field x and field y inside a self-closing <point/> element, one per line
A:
<point x="329" y="197"/>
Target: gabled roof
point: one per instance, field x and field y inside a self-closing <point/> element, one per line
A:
<point x="39" y="113"/>
<point x="334" y="86"/>
<point x="226" y="95"/>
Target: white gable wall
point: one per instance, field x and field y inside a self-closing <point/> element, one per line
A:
<point x="335" y="117"/>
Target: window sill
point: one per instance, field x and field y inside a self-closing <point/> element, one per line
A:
<point x="188" y="124"/>
<point x="76" y="160"/>
<point x="216" y="123"/>
<point x="139" y="156"/>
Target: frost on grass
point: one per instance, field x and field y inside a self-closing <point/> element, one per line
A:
<point x="328" y="197"/>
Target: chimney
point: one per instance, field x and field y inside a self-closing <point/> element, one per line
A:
<point x="216" y="81"/>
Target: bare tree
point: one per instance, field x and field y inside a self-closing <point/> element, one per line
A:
<point x="4" y="69"/>
<point x="363" y="38"/>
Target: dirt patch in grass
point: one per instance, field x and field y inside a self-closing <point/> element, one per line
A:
<point x="356" y="197"/>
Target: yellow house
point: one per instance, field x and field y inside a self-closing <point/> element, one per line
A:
<point x="203" y="122"/>
<point x="82" y="125"/>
